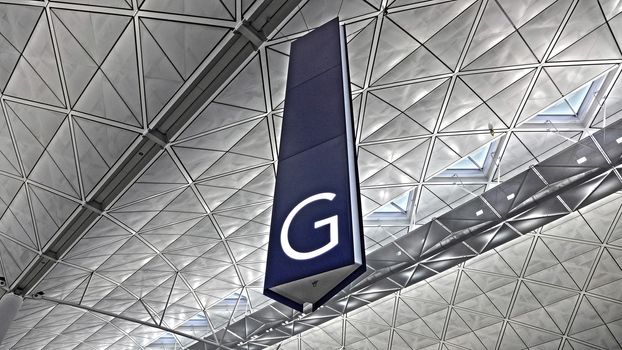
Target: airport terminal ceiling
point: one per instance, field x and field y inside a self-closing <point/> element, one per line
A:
<point x="138" y="141"/>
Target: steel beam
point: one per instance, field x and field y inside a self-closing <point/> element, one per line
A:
<point x="239" y="46"/>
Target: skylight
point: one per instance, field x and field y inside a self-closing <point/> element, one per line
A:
<point x="398" y="206"/>
<point x="573" y="107"/>
<point x="474" y="161"/>
<point x="477" y="164"/>
<point x="397" y="210"/>
<point x="569" y="105"/>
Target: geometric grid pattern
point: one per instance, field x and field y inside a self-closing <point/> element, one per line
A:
<point x="526" y="202"/>
<point x="184" y="246"/>
<point x="79" y="85"/>
<point x="555" y="288"/>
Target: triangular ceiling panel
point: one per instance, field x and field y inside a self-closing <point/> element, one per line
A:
<point x="242" y="99"/>
<point x="506" y="103"/>
<point x="57" y="166"/>
<point x="161" y="77"/>
<point x="544" y="93"/>
<point x="520" y="14"/>
<point x="463" y="100"/>
<point x="217" y="9"/>
<point x="15" y="258"/>
<point x="359" y="51"/>
<point x="419" y="63"/>
<point x="246" y="89"/>
<point x="16" y="27"/>
<point x="8" y="157"/>
<point x="492" y="29"/>
<point x="218" y="190"/>
<point x="511" y="51"/>
<point x="122" y="4"/>
<point x="36" y="76"/>
<point x="377" y="114"/>
<point x="8" y="58"/>
<point x="8" y="188"/>
<point x="18" y="23"/>
<point x="184" y="246"/>
<point x="586" y="17"/>
<point x="424" y="22"/>
<point x="78" y="65"/>
<point x="104" y="238"/>
<point x="113" y="92"/>
<point x="486" y="85"/>
<point x="132" y="255"/>
<point x="49" y="211"/>
<point x="161" y="176"/>
<point x="96" y="33"/>
<point x="597" y="45"/>
<point x="99" y="146"/>
<point x="442" y="157"/>
<point x="17" y="221"/>
<point x="185" y="45"/>
<point x="277" y="62"/>
<point x="394" y="46"/>
<point x="34" y="128"/>
<point x="540" y="30"/>
<point x="567" y="79"/>
<point x="447" y="44"/>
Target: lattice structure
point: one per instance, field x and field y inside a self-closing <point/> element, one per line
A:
<point x="556" y="288"/>
<point x="183" y="246"/>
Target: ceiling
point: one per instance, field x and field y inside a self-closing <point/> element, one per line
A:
<point x="183" y="246"/>
<point x="555" y="288"/>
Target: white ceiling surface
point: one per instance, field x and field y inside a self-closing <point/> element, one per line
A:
<point x="557" y="288"/>
<point x="81" y="82"/>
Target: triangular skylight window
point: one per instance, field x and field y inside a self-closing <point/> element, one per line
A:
<point x="477" y="164"/>
<point x="397" y="210"/>
<point x="568" y="106"/>
<point x="474" y="161"/>
<point x="572" y="108"/>
<point x="397" y="206"/>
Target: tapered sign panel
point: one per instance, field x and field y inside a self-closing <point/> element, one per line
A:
<point x="316" y="242"/>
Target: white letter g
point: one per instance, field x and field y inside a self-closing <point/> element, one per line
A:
<point x="331" y="221"/>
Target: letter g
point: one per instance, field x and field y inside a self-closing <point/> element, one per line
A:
<point x="331" y="221"/>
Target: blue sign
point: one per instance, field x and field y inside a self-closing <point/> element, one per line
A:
<point x="316" y="238"/>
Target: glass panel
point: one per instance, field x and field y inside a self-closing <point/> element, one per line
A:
<point x="560" y="108"/>
<point x="464" y="164"/>
<point x="576" y="98"/>
<point x="479" y="156"/>
<point x="394" y="210"/>
<point x="402" y="201"/>
<point x="474" y="161"/>
<point x="387" y="208"/>
<point x="390" y="207"/>
<point x="568" y="109"/>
